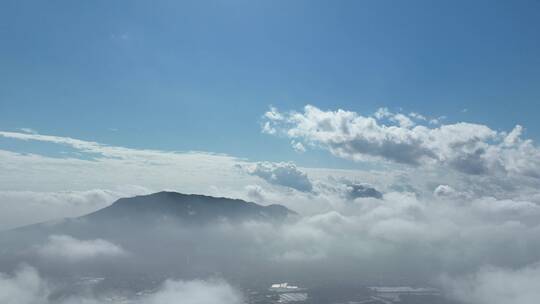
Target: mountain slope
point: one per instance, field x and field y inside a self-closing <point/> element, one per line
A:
<point x="153" y="210"/>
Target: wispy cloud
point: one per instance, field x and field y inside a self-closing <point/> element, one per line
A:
<point x="28" y="130"/>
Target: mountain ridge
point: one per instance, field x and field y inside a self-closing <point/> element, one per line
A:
<point x="189" y="206"/>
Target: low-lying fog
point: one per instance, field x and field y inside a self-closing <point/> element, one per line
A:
<point x="463" y="247"/>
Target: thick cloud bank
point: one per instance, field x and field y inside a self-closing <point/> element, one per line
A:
<point x="493" y="285"/>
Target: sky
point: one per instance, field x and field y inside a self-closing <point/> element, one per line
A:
<point x="401" y="132"/>
<point x="198" y="75"/>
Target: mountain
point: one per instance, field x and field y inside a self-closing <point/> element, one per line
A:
<point x="160" y="216"/>
<point x="188" y="208"/>
<point x="156" y="236"/>
<point x="150" y="211"/>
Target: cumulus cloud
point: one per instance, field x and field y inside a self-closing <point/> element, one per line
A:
<point x="402" y="120"/>
<point x="282" y="174"/>
<point x="467" y="147"/>
<point x="65" y="247"/>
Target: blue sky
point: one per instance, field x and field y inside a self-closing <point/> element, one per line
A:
<point x="97" y="98"/>
<point x="198" y="75"/>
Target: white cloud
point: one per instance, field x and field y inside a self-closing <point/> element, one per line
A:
<point x="437" y="120"/>
<point x="154" y="156"/>
<point x="444" y="190"/>
<point x="456" y="234"/>
<point x="513" y="137"/>
<point x="382" y="113"/>
<point x="496" y="211"/>
<point x="98" y="166"/>
<point x="49" y="177"/>
<point x="402" y="120"/>
<point x="466" y="147"/>
<point x="298" y="146"/>
<point x="28" y="130"/>
<point x="273" y="114"/>
<point x="417" y="116"/>
<point x="283" y="174"/>
<point x="266" y="128"/>
<point x="65" y="247"/>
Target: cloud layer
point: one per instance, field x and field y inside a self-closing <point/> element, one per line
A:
<point x="26" y="286"/>
<point x="453" y="200"/>
<point x="492" y="285"/>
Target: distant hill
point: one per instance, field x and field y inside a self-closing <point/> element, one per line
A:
<point x="165" y="234"/>
<point x="134" y="218"/>
<point x="189" y="208"/>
